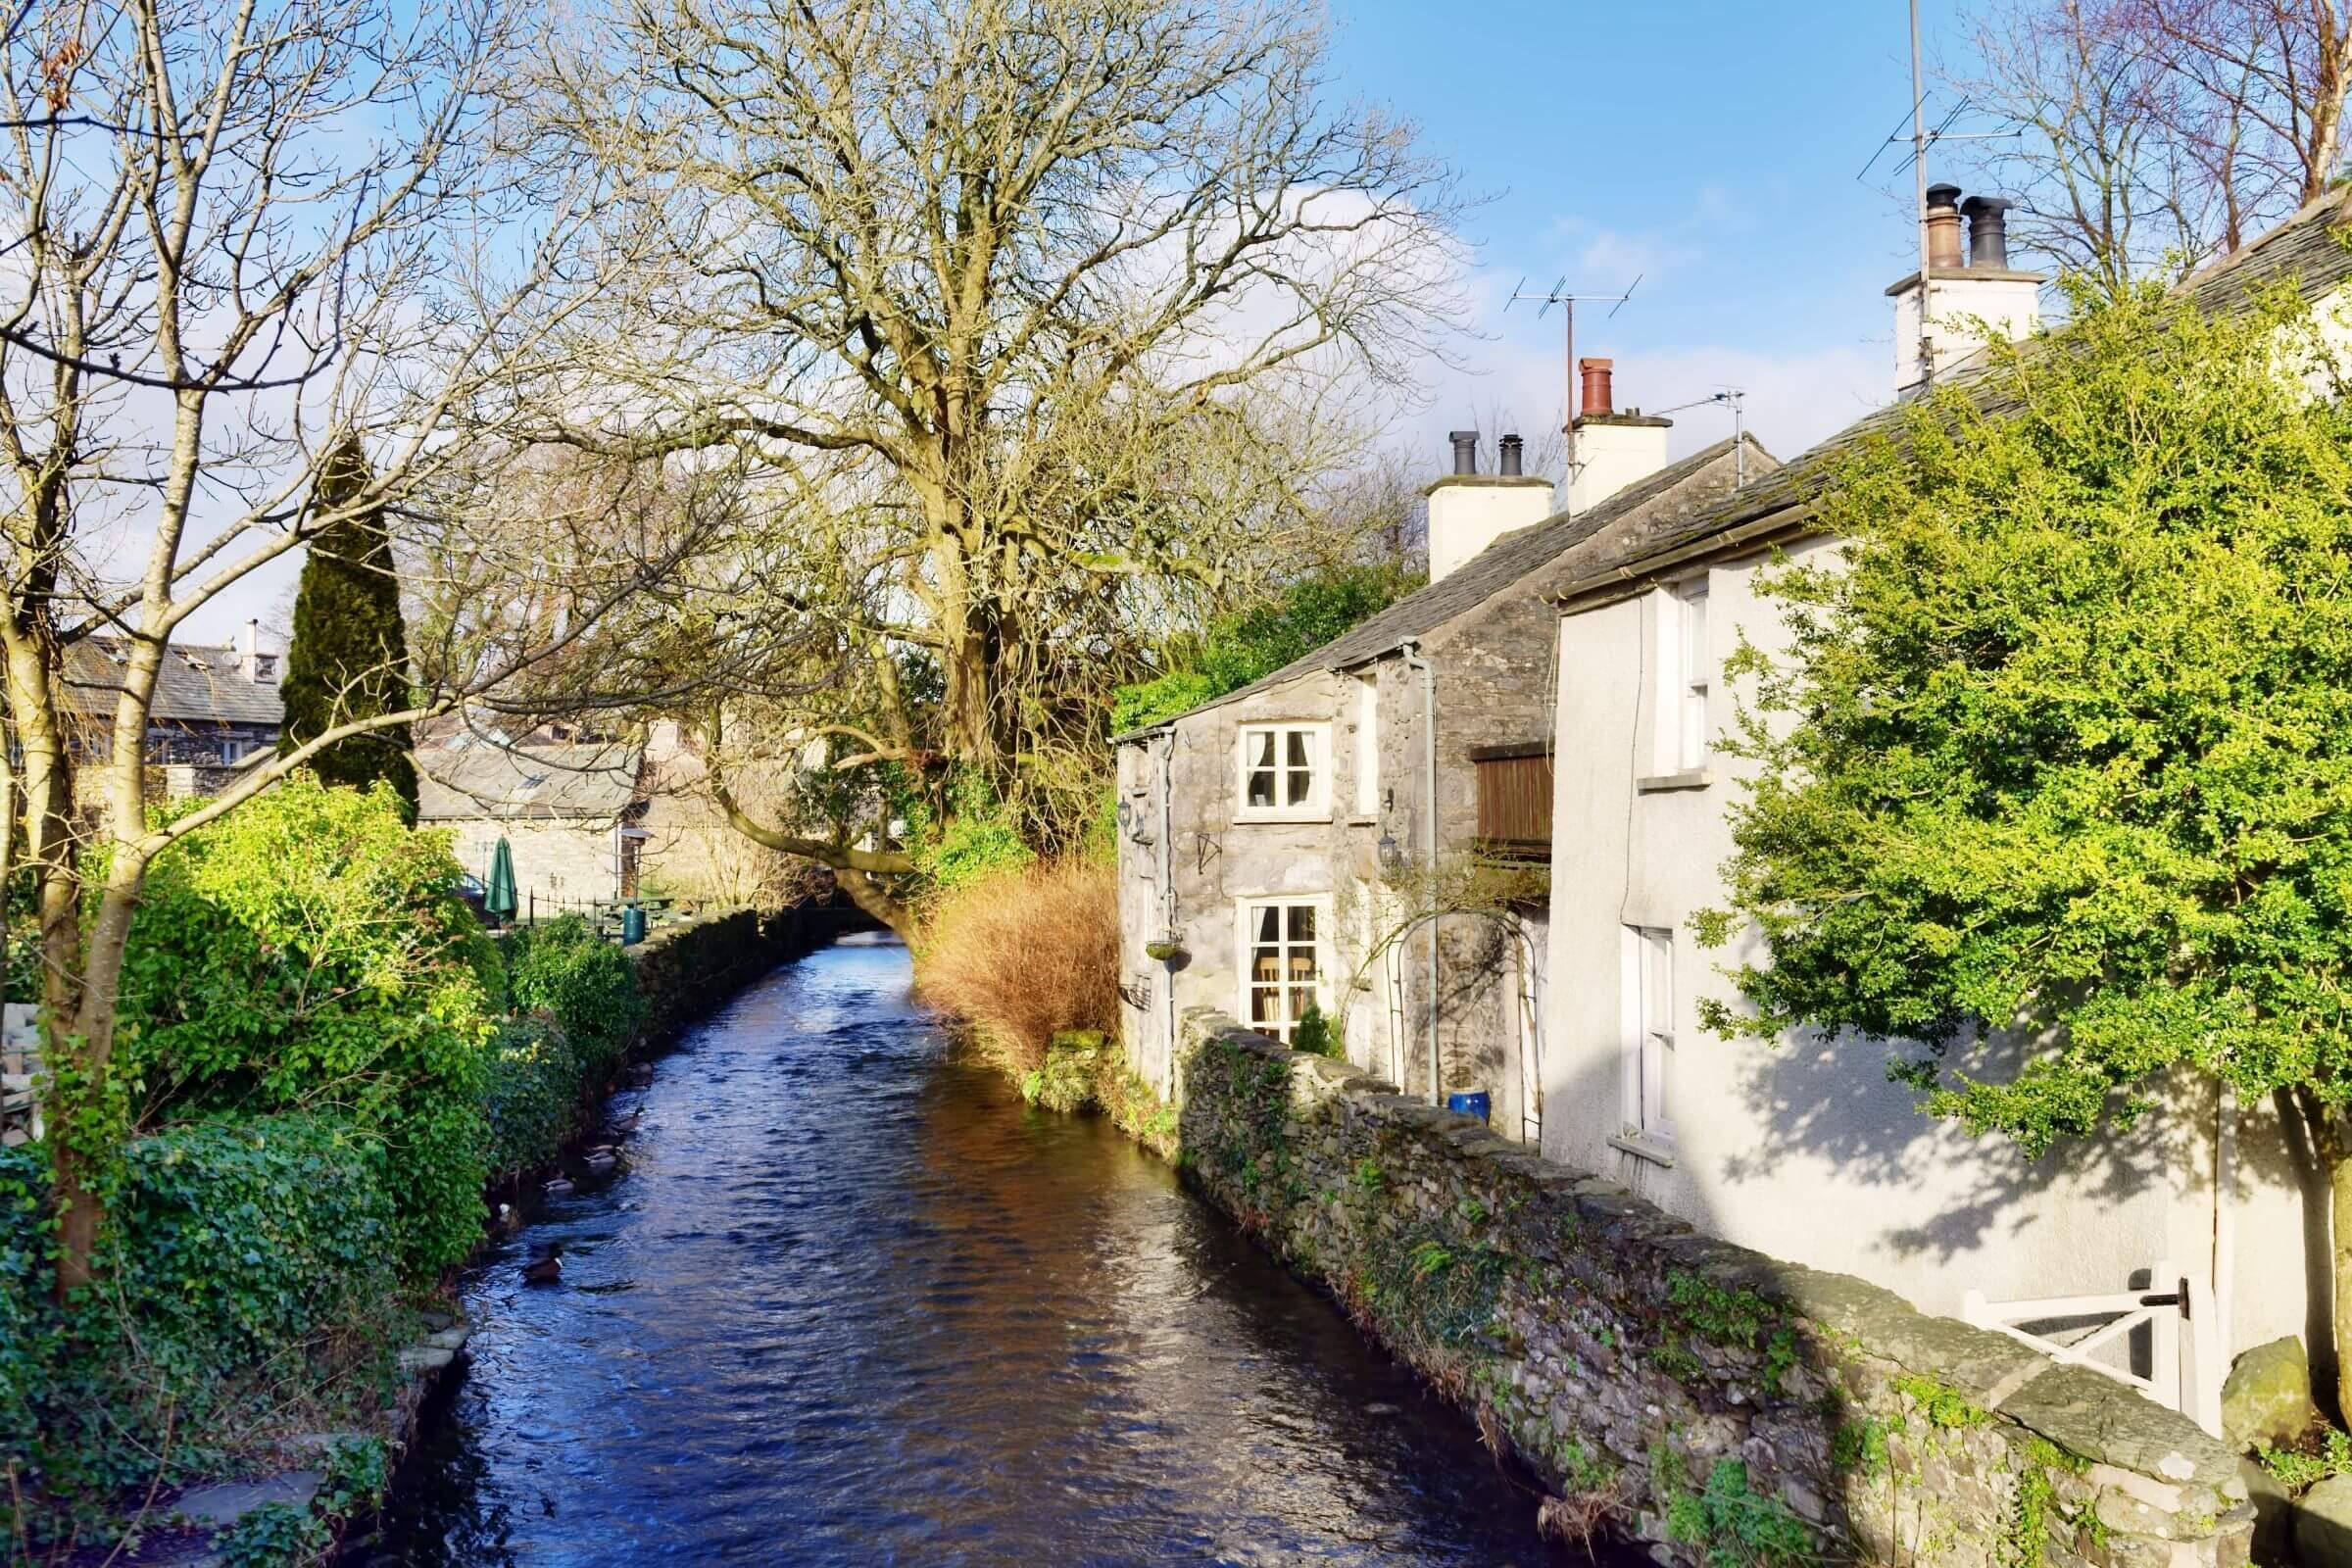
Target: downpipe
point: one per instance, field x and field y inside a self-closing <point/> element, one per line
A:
<point x="1429" y="798"/>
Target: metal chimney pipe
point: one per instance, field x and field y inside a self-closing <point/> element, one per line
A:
<point x="1943" y="227"/>
<point x="1987" y="230"/>
<point x="1597" y="391"/>
<point x="1512" y="448"/>
<point x="1465" y="450"/>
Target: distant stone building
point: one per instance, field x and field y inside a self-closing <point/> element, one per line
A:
<point x="1275" y="843"/>
<point x="568" y="809"/>
<point x="214" y="706"/>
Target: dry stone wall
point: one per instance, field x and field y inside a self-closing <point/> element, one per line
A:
<point x="689" y="968"/>
<point x="1726" y="1407"/>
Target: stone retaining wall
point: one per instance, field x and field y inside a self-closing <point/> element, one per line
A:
<point x="1725" y="1407"/>
<point x="688" y="969"/>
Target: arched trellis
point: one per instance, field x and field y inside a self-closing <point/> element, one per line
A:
<point x="1389" y="949"/>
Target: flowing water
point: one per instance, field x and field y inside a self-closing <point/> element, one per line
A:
<point x="853" y="1302"/>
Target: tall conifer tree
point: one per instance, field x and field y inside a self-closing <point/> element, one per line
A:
<point x="349" y="658"/>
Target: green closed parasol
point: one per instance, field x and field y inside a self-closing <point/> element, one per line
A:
<point x="498" y="899"/>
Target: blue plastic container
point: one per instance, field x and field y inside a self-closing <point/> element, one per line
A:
<point x="1472" y="1103"/>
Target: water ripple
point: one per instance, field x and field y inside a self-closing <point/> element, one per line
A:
<point x="853" y="1303"/>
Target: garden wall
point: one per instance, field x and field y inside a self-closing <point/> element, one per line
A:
<point x="686" y="971"/>
<point x="1727" y="1407"/>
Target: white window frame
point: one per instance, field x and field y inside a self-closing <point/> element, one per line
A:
<point x="1367" y="745"/>
<point x="1244" y="927"/>
<point x="1317" y="805"/>
<point x="1647" y="1056"/>
<point x="1685" y="739"/>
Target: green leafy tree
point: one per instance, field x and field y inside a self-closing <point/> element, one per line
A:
<point x="349" y="660"/>
<point x="2063" y="755"/>
<point x="309" y="951"/>
<point x="1247" y="645"/>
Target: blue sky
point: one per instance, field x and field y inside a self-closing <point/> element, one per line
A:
<point x="1712" y="146"/>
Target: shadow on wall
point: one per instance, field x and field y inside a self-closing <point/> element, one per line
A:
<point x="1718" y="1404"/>
<point x="1828" y="1100"/>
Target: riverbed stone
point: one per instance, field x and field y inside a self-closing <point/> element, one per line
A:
<point x="418" y="1361"/>
<point x="217" y="1506"/>
<point x="2267" y="1396"/>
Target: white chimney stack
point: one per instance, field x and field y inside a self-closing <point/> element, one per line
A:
<point x="252" y="662"/>
<point x="1613" y="450"/>
<point x="1936" y="326"/>
<point x="1469" y="510"/>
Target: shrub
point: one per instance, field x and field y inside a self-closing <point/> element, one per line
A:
<point x="1022" y="956"/>
<point x="309" y="949"/>
<point x="537" y="1081"/>
<point x="582" y="981"/>
<point x="251" y="1267"/>
<point x="980" y="841"/>
<point x="1317" y="1036"/>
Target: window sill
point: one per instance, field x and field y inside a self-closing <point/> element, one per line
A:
<point x="1245" y="818"/>
<point x="1364" y="819"/>
<point x="1698" y="778"/>
<point x="1642" y="1147"/>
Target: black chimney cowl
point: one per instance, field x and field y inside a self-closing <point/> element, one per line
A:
<point x="1512" y="447"/>
<point x="1987" y="232"/>
<point x="1465" y="450"/>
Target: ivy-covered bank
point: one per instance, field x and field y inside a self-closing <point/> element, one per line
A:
<point x="275" y="1308"/>
<point x="1727" y="1407"/>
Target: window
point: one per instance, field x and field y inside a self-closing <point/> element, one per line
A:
<point x="1284" y="969"/>
<point x="1367" y="745"/>
<point x="1649" y="1035"/>
<point x="1687" y="671"/>
<point x="1283" y="770"/>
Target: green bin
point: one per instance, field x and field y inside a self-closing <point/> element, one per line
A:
<point x="632" y="925"/>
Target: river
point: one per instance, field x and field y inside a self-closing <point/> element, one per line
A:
<point x="850" y="1302"/>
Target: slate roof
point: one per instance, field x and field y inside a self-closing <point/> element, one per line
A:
<point x="596" y="779"/>
<point x="2305" y="247"/>
<point x="197" y="684"/>
<point x="1492" y="571"/>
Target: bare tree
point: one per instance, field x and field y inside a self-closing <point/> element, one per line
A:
<point x="2154" y="134"/>
<point x="1031" y="320"/>
<point x="232" y="241"/>
<point x="2108" y="189"/>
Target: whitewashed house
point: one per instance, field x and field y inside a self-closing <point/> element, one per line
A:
<point x="1269" y="839"/>
<point x="1807" y="1152"/>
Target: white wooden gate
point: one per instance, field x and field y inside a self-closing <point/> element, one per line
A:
<point x="20" y="1065"/>
<point x="2184" y="1360"/>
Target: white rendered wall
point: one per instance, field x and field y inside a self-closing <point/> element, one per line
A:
<point x="1801" y="1148"/>
<point x="1960" y="309"/>
<point x="1468" y="513"/>
<point x="1609" y="456"/>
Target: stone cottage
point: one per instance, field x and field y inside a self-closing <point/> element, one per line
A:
<point x="1366" y="830"/>
<point x="568" y="809"/>
<point x="1807" y="1152"/>
<point x="215" y="706"/>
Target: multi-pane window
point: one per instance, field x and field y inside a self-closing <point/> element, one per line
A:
<point x="1685" y="708"/>
<point x="1284" y="973"/>
<point x="1283" y="770"/>
<point x="1650" y="1037"/>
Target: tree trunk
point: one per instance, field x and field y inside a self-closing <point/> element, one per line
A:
<point x="2326" y="1134"/>
<point x="2339" y="1221"/>
<point x="871" y="897"/>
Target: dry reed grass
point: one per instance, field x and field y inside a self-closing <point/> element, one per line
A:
<point x="1022" y="956"/>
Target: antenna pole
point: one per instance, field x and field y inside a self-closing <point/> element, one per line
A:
<point x="1919" y="179"/>
<point x="1568" y="431"/>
